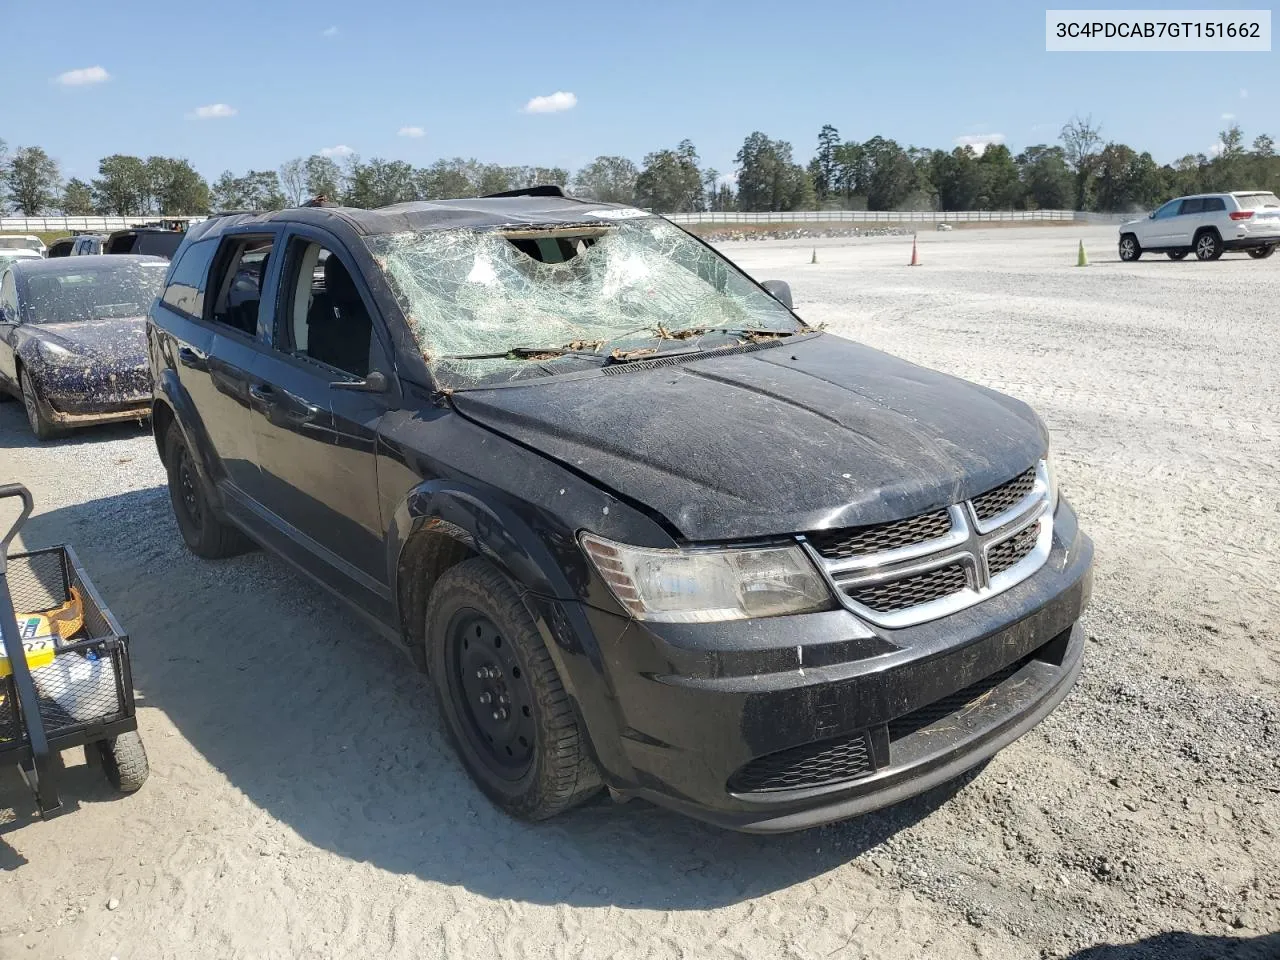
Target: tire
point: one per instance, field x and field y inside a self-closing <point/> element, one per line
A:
<point x="533" y="761"/>
<point x="1130" y="249"/>
<point x="205" y="534"/>
<point x="1177" y="254"/>
<point x="1261" y="253"/>
<point x="124" y="761"/>
<point x="41" y="426"/>
<point x="1208" y="245"/>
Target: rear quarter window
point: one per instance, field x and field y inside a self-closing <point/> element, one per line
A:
<point x="189" y="277"/>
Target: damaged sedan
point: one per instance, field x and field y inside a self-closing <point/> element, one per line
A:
<point x="643" y="526"/>
<point x="72" y="339"/>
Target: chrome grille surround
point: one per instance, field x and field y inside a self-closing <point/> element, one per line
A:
<point x="968" y="545"/>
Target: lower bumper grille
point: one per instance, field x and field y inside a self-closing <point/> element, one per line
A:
<point x="808" y="765"/>
<point x="939" y="710"/>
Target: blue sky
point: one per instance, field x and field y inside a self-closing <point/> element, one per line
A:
<point x="299" y="77"/>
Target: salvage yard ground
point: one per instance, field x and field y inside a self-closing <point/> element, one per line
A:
<point x="304" y="802"/>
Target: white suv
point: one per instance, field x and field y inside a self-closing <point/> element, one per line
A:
<point x="1207" y="224"/>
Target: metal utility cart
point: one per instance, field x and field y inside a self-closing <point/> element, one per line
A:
<point x="65" y="679"/>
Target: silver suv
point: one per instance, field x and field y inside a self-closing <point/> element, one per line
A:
<point x="1207" y="224"/>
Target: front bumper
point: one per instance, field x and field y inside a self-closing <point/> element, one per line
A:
<point x="693" y="706"/>
<point x="78" y="396"/>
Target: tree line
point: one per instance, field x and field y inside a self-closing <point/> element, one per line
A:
<point x="1082" y="171"/>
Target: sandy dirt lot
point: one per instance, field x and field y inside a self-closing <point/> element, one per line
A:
<point x="304" y="802"/>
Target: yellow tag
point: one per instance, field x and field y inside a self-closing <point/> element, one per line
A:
<point x="40" y="653"/>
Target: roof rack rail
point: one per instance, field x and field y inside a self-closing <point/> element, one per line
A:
<point x="542" y="190"/>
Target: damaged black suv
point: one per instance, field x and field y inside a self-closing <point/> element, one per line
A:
<point x="644" y="527"/>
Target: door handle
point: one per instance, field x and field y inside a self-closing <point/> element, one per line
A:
<point x="263" y="392"/>
<point x="189" y="358"/>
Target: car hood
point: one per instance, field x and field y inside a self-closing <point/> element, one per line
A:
<point x="811" y="434"/>
<point x="112" y="341"/>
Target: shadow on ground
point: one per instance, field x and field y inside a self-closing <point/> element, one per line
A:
<point x="331" y="730"/>
<point x="17" y="435"/>
<point x="1187" y="946"/>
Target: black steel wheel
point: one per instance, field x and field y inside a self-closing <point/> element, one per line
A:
<point x="1208" y="245"/>
<point x="1177" y="254"/>
<point x="206" y="534"/>
<point x="1261" y="253"/>
<point x="1130" y="249"/>
<point x="501" y="698"/>
<point x="41" y="426"/>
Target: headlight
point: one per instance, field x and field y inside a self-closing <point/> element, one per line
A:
<point x="54" y="349"/>
<point x="1050" y="482"/>
<point x="696" y="586"/>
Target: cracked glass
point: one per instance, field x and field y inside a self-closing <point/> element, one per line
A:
<point x="572" y="287"/>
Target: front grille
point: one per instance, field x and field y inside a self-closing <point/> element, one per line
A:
<point x="861" y="541"/>
<point x="809" y="765"/>
<point x="939" y="710"/>
<point x="1006" y="553"/>
<point x="995" y="502"/>
<point x="911" y="591"/>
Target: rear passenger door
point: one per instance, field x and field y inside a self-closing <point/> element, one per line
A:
<point x="210" y="334"/>
<point x="315" y="427"/>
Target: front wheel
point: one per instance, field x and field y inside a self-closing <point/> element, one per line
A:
<point x="1261" y="253"/>
<point x="41" y="426"/>
<point x="1208" y="245"/>
<point x="501" y="698"/>
<point x="1177" y="254"/>
<point x="1130" y="249"/>
<point x="124" y="761"/>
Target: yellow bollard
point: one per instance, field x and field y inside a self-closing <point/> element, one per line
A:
<point x="1082" y="258"/>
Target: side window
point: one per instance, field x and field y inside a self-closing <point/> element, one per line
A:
<point x="322" y="315"/>
<point x="1191" y="206"/>
<point x="187" y="279"/>
<point x="9" y="297"/>
<point x="1214" y="205"/>
<point x="242" y="266"/>
<point x="1170" y="209"/>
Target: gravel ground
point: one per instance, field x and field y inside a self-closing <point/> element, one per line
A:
<point x="304" y="802"/>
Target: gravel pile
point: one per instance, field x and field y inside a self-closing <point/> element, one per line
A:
<point x="304" y="801"/>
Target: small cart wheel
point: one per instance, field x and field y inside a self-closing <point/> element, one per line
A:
<point x="124" y="761"/>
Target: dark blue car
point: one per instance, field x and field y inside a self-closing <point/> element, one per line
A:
<point x="73" y="338"/>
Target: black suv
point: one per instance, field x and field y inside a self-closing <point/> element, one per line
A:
<point x="643" y="526"/>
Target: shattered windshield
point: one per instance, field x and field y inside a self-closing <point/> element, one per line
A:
<point x="112" y="292"/>
<point x="472" y="297"/>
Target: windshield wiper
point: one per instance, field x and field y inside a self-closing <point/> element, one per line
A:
<point x="688" y="333"/>
<point x="522" y="353"/>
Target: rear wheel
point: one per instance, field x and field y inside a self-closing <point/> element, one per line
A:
<point x="1130" y="249"/>
<point x="41" y="426"/>
<point x="501" y="698"/>
<point x="1261" y="253"/>
<point x="1177" y="254"/>
<point x="1208" y="245"/>
<point x="205" y="533"/>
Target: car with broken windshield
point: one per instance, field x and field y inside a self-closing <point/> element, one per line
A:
<point x="643" y="527"/>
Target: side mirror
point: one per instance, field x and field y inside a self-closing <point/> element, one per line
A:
<point x="1151" y="215"/>
<point x="375" y="382"/>
<point x="780" y="290"/>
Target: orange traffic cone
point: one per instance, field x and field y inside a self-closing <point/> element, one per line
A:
<point x="915" y="254"/>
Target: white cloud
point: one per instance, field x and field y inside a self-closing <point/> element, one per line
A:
<point x="83" y="77"/>
<point x="214" y="111"/>
<point x="414" y="132"/>
<point x="1244" y="94"/>
<point x="1228" y="116"/>
<point x="1216" y="148"/>
<point x="979" y="141"/>
<point x="552" y="104"/>
<point x="729" y="179"/>
<point x="341" y="150"/>
<point x="329" y="32"/>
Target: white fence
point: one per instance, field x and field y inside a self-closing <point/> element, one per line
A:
<point x="91" y="224"/>
<point x="874" y="216"/>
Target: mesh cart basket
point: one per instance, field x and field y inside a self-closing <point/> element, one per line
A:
<point x="65" y="679"/>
